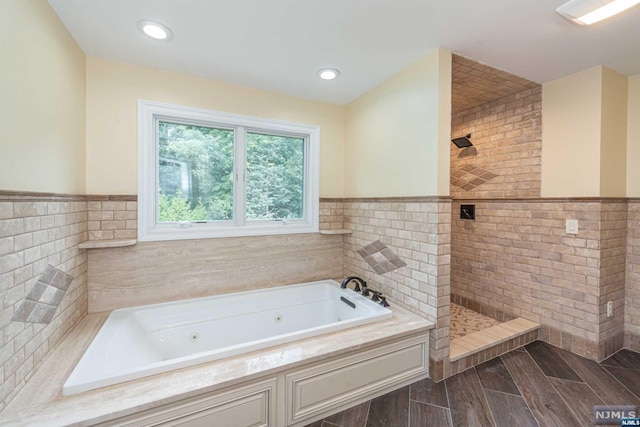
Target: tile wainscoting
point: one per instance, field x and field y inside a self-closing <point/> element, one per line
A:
<point x="37" y="230"/>
<point x="632" y="278"/>
<point x="516" y="258"/>
<point x="516" y="253"/>
<point x="418" y="231"/>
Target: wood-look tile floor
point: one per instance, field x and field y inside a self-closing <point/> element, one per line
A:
<point x="539" y="385"/>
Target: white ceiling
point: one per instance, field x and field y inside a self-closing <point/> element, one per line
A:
<point x="278" y="45"/>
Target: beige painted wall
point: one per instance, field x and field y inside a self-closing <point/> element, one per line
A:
<point x="42" y="82"/>
<point x="571" y="129"/>
<point x="613" y="148"/>
<point x="633" y="137"/>
<point x="114" y="88"/>
<point x="398" y="133"/>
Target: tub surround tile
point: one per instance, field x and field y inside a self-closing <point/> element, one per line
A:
<point x="417" y="230"/>
<point x="381" y="258"/>
<point x="154" y="272"/>
<point x="43" y="279"/>
<point x="40" y="401"/>
<point x="45" y="296"/>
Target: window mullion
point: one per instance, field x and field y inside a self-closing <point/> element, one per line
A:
<point x="240" y="161"/>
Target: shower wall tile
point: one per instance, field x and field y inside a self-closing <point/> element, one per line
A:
<point x="37" y="231"/>
<point x="516" y="258"/>
<point x="506" y="155"/>
<point x="632" y="277"/>
<point x="418" y="231"/>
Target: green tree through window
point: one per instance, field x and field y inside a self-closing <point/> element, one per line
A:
<point x="196" y="174"/>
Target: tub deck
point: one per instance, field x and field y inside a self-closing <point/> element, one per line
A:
<point x="40" y="402"/>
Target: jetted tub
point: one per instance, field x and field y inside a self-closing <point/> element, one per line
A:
<point x="141" y="341"/>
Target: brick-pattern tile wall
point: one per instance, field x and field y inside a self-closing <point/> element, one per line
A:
<point x="419" y="233"/>
<point x="506" y="135"/>
<point x="36" y="232"/>
<point x="632" y="277"/>
<point x="331" y="214"/>
<point x="112" y="217"/>
<point x="613" y="242"/>
<point x="517" y="258"/>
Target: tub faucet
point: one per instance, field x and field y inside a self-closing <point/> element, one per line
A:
<point x="356" y="279"/>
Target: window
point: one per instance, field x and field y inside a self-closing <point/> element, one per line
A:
<point x="206" y="174"/>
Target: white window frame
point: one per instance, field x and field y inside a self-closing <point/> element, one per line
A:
<point x="149" y="229"/>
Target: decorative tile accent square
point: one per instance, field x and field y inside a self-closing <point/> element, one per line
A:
<point x="380" y="257"/>
<point x="45" y="296"/>
<point x="469" y="177"/>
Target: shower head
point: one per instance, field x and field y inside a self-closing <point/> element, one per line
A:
<point x="463" y="142"/>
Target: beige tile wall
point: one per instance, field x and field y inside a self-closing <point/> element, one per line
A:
<point x="331" y="214"/>
<point x="36" y="231"/>
<point x="612" y="264"/>
<point x="632" y="277"/>
<point x="153" y="272"/>
<point x="418" y="231"/>
<point x="112" y="217"/>
<point x="517" y="258"/>
<point x="473" y="84"/>
<point x="506" y="134"/>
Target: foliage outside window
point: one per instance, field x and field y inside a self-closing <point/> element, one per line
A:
<point x="209" y="174"/>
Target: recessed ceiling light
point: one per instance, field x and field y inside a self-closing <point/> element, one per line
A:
<point x="588" y="12"/>
<point x="155" y="30"/>
<point x="331" y="73"/>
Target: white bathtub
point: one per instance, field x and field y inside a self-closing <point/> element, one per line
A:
<point x="140" y="341"/>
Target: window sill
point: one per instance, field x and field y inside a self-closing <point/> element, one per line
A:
<point x="337" y="231"/>
<point x="101" y="244"/>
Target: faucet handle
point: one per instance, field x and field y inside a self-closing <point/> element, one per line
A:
<point x="383" y="301"/>
<point x="376" y="295"/>
<point x="365" y="290"/>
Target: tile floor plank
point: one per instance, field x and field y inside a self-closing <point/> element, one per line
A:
<point x="509" y="410"/>
<point x="617" y="361"/>
<point x="422" y="414"/>
<point x="629" y="377"/>
<point x="599" y="379"/>
<point x="390" y="410"/>
<point x="579" y="398"/>
<point x="353" y="417"/>
<point x="429" y="391"/>
<point x="544" y="402"/>
<point x="631" y="357"/>
<point x="624" y="359"/>
<point x="485" y="395"/>
<point x="552" y="365"/>
<point x="467" y="403"/>
<point x="495" y="376"/>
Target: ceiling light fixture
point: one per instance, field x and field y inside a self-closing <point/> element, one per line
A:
<point x="331" y="73"/>
<point x="588" y="12"/>
<point x="155" y="30"/>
